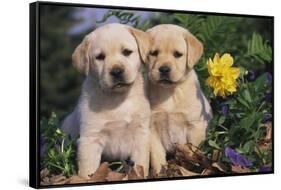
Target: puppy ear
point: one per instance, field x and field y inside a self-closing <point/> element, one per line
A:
<point x="80" y="56"/>
<point x="143" y="41"/>
<point x="194" y="49"/>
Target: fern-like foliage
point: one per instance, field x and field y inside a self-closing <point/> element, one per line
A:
<point x="125" y="17"/>
<point x="216" y="27"/>
<point x="259" y="49"/>
<point x="191" y="22"/>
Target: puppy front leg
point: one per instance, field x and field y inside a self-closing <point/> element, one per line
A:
<point x="197" y="132"/>
<point x="140" y="153"/>
<point x="157" y="152"/>
<point x="89" y="155"/>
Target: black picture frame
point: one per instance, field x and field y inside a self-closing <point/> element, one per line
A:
<point x="34" y="92"/>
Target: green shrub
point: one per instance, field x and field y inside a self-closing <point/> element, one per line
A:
<point x="58" y="151"/>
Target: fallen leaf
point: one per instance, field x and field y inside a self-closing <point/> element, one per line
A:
<point x="207" y="171"/>
<point x="101" y="173"/>
<point x="45" y="181"/>
<point x="266" y="142"/>
<point x="186" y="172"/>
<point x="115" y="176"/>
<point x="125" y="178"/>
<point x="268" y="136"/>
<point x="76" y="179"/>
<point x="44" y="173"/>
<point x="173" y="170"/>
<point x="193" y="154"/>
<point x="216" y="155"/>
<point x="58" y="179"/>
<point x="136" y="172"/>
<point x="219" y="166"/>
<point x="239" y="169"/>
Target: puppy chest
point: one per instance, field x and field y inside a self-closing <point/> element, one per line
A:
<point x="121" y="139"/>
<point x="171" y="127"/>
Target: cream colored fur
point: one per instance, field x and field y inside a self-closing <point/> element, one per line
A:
<point x="180" y="111"/>
<point x="112" y="121"/>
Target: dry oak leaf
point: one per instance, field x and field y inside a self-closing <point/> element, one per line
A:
<point x="239" y="169"/>
<point x="221" y="167"/>
<point x="76" y="179"/>
<point x="192" y="154"/>
<point x="45" y="181"/>
<point x="186" y="172"/>
<point x="136" y="172"/>
<point x="207" y="171"/>
<point x="58" y="179"/>
<point x="116" y="176"/>
<point x="44" y="173"/>
<point x="101" y="173"/>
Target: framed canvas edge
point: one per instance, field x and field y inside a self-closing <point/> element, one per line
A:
<point x="34" y="90"/>
<point x="34" y="140"/>
<point x="149" y="9"/>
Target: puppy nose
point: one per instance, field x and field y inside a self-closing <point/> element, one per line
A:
<point x="116" y="72"/>
<point x="164" y="69"/>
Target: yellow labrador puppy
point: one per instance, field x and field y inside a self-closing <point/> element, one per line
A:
<point x="180" y="111"/>
<point x="113" y="112"/>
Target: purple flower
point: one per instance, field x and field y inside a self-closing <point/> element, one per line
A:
<point x="266" y="118"/>
<point x="251" y="75"/>
<point x="265" y="169"/>
<point x="268" y="97"/>
<point x="269" y="78"/>
<point x="130" y="162"/>
<point x="225" y="110"/>
<point x="236" y="158"/>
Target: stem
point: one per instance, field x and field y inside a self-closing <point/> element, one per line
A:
<point x="54" y="165"/>
<point x="223" y="127"/>
<point x="243" y="80"/>
<point x="115" y="163"/>
<point x="119" y="168"/>
<point x="262" y="104"/>
<point x="62" y="145"/>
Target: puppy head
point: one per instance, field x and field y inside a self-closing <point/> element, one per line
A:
<point x="112" y="55"/>
<point x="174" y="51"/>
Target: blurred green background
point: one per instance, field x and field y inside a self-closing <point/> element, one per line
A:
<point x="62" y="28"/>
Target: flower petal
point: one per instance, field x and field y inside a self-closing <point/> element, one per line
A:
<point x="216" y="58"/>
<point x="227" y="60"/>
<point x="235" y="72"/>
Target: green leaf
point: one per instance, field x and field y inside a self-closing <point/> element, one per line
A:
<point x="124" y="17"/>
<point x="214" y="144"/>
<point x="248" y="121"/>
<point x="190" y="21"/>
<point x="221" y="120"/>
<point x="243" y="71"/>
<point x="260" y="83"/>
<point x="259" y="49"/>
<point x="249" y="147"/>
<point x="246" y="94"/>
<point x="215" y="26"/>
<point x="59" y="132"/>
<point x="243" y="102"/>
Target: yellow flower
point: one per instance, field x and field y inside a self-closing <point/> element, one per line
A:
<point x="222" y="76"/>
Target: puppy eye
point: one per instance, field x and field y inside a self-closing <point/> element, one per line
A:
<point x="177" y="54"/>
<point x="100" y="56"/>
<point x="127" y="52"/>
<point x="154" y="53"/>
